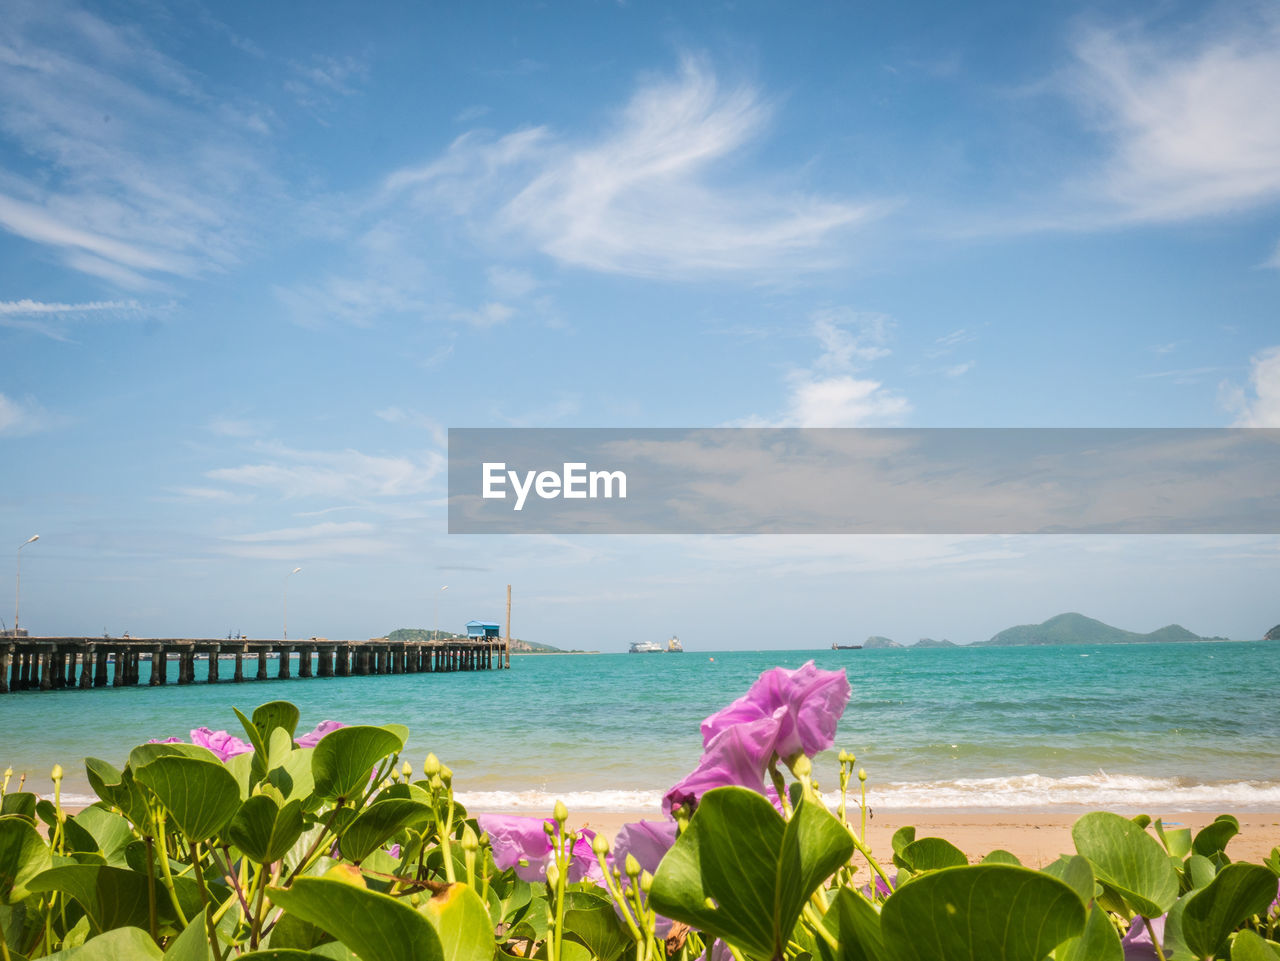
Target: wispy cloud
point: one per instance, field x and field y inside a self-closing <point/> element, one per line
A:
<point x="325" y="540"/>
<point x="144" y="174"/>
<point x="1258" y="404"/>
<point x="19" y="418"/>
<point x="830" y="393"/>
<point x="654" y="195"/>
<point x="338" y="474"/>
<point x="53" y="319"/>
<point x="1190" y="119"/>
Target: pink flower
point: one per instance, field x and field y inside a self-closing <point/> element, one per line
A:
<point x="523" y="843"/>
<point x="1137" y="940"/>
<point x="806" y="705"/>
<point x="220" y="743"/>
<point x="738" y="755"/>
<point x="648" y="842"/>
<point x="313" y="738"/>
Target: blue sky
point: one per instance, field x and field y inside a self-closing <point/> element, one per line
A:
<point x="255" y="259"/>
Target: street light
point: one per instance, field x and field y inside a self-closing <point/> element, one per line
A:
<point x="17" y="582"/>
<point x="435" y="635"/>
<point x="286" y="600"/>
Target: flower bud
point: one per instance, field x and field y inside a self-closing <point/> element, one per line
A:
<point x="600" y="845"/>
<point x="406" y="771"/>
<point x="395" y="775"/>
<point x="435" y="783"/>
<point x="560" y="812"/>
<point x="802" y="766"/>
<point x="469" y="840"/>
<point x="431" y="766"/>
<point x="56" y="773"/>
<point x="862" y="775"/>
<point x="646" y="881"/>
<point x="632" y="866"/>
<point x="549" y="828"/>
<point x="446" y="774"/>
<point x="553" y="874"/>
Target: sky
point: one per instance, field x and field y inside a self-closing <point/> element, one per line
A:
<point x="256" y="260"/>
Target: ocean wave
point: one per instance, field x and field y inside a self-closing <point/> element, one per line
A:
<point x="1099" y="790"/>
<point x="540" y="801"/>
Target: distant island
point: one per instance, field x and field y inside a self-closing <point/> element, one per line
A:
<point x="1273" y="634"/>
<point x="416" y="635"/>
<point x="930" y="642"/>
<point x="876" y="642"/>
<point x="1077" y="629"/>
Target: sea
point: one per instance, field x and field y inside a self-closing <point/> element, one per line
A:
<point x="1130" y="728"/>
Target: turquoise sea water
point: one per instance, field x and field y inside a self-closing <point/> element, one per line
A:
<point x="1165" y="726"/>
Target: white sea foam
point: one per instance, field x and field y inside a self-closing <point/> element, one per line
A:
<point x="540" y="801"/>
<point x="1100" y="790"/>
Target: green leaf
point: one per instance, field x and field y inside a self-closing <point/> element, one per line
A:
<point x="1128" y="859"/>
<point x="1000" y="856"/>
<point x="23" y="855"/>
<point x="739" y="872"/>
<point x="993" y="912"/>
<point x="200" y="796"/>
<point x="343" y="761"/>
<point x="282" y="954"/>
<point x="111" y="897"/>
<point x="122" y="944"/>
<point x="110" y="831"/>
<point x="596" y="926"/>
<point x="1213" y="838"/>
<point x="1075" y="872"/>
<point x="376" y="927"/>
<point x="193" y="943"/>
<point x="264" y="830"/>
<point x="377" y="823"/>
<point x="1249" y="946"/>
<point x="1237" y="893"/>
<point x="1177" y="841"/>
<point x="267" y="717"/>
<point x="856" y="926"/>
<point x="294" y="780"/>
<point x="1201" y="871"/>
<point x="1099" y="942"/>
<point x="902" y="837"/>
<point x="144" y="754"/>
<point x="19" y="803"/>
<point x="462" y="923"/>
<point x="930" y="854"/>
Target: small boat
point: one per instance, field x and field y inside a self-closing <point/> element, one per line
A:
<point x="674" y="646"/>
<point x="645" y="647"/>
<point x="846" y="647"/>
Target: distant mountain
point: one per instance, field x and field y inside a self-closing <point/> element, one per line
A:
<point x="930" y="642"/>
<point x="416" y="635"/>
<point x="1273" y="634"/>
<point x="876" y="641"/>
<point x="1078" y="629"/>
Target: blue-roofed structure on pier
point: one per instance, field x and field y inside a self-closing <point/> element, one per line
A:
<point x="479" y="630"/>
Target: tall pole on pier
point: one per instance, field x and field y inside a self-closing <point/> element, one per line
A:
<point x="508" y="644"/>
<point x="286" y="604"/>
<point x="435" y="633"/>
<point x="17" y="582"/>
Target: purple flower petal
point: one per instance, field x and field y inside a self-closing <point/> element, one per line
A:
<point x="648" y="842"/>
<point x="1137" y="940"/>
<point x="220" y="743"/>
<point x="514" y="839"/>
<point x="737" y="755"/>
<point x="811" y="699"/>
<point x="313" y="738"/>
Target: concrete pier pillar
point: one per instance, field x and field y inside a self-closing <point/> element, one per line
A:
<point x="343" y="667"/>
<point x="44" y="667"/>
<point x="15" y="670"/>
<point x="304" y="660"/>
<point x="285" y="651"/>
<point x="159" y="665"/>
<point x="326" y="661"/>
<point x="86" y="667"/>
<point x="213" y="664"/>
<point x="100" y="667"/>
<point x="238" y="676"/>
<point x="4" y="669"/>
<point x="262" y="663"/>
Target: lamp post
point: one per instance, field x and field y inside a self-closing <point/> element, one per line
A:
<point x="17" y="582"/>
<point x="286" y="602"/>
<point x="435" y="635"/>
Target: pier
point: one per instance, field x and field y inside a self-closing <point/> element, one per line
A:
<point x="53" y="663"/>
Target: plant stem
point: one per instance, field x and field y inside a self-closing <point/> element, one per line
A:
<point x="1155" y="942"/>
<point x="165" y="872"/>
<point x="151" y="889"/>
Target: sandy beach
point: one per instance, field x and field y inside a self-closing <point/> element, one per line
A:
<point x="1036" y="838"/>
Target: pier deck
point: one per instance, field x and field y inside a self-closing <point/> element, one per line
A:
<point x="52" y="663"/>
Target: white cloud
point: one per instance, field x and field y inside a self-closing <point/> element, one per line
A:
<point x="346" y="474"/>
<point x="143" y="175"/>
<point x="829" y="393"/>
<point x="19" y="418"/>
<point x="52" y="319"/>
<point x="489" y="314"/>
<point x="1192" y="123"/>
<point x="959" y="370"/>
<point x="654" y="195"/>
<point x="1259" y="404"/>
